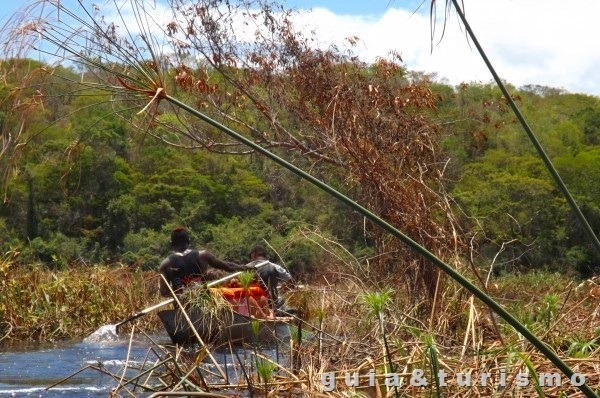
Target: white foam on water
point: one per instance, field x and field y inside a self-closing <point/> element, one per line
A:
<point x="29" y="390"/>
<point x="106" y="333"/>
<point x="113" y="362"/>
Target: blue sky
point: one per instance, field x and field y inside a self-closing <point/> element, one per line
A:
<point x="545" y="42"/>
<point x="354" y="7"/>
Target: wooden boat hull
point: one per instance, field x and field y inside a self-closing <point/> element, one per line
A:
<point x="236" y="328"/>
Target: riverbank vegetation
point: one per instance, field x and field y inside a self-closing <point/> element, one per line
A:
<point x="348" y="330"/>
<point x="41" y="304"/>
<point x="99" y="165"/>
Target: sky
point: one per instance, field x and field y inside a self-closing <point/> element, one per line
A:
<point x="543" y="42"/>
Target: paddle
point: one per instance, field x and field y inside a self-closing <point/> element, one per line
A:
<point x="169" y="301"/>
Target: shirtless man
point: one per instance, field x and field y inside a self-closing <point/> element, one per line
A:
<point x="186" y="265"/>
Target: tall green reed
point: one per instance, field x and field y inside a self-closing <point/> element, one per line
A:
<point x="246" y="279"/>
<point x="264" y="370"/>
<point x="376" y="303"/>
<point x="431" y="352"/>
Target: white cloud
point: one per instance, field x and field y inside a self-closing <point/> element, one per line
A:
<point x="546" y="42"/>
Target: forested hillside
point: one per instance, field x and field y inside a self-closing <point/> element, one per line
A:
<point x="505" y="192"/>
<point x="89" y="188"/>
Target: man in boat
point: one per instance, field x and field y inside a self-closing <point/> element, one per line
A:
<point x="186" y="266"/>
<point x="269" y="276"/>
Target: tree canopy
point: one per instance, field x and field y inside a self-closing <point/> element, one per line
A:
<point x="90" y="178"/>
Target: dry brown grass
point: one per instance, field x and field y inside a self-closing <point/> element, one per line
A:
<point x="39" y="304"/>
<point x="337" y="335"/>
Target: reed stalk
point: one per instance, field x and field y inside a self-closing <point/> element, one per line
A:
<point x="376" y="304"/>
<point x="246" y="279"/>
<point x="265" y="370"/>
<point x="432" y="355"/>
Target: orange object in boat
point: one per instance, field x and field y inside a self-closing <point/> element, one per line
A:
<point x="233" y="293"/>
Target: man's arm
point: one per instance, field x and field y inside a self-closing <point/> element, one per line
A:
<point x="282" y="274"/>
<point x="214" y="262"/>
<point x="164" y="274"/>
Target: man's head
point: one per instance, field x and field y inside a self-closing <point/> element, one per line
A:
<point x="258" y="252"/>
<point x="180" y="239"/>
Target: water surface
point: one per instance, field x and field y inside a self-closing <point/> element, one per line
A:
<point x="27" y="371"/>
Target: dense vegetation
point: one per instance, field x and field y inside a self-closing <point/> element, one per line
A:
<point x="503" y="187"/>
<point x="108" y="197"/>
<point x="99" y="163"/>
<point x="88" y="191"/>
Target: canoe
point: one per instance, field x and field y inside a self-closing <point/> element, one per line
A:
<point x="236" y="328"/>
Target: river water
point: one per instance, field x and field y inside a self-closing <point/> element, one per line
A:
<point x="28" y="370"/>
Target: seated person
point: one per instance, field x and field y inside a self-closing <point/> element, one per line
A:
<point x="270" y="275"/>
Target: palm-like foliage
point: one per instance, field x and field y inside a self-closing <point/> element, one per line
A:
<point x="376" y="303"/>
<point x="265" y="369"/>
<point x="246" y="279"/>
